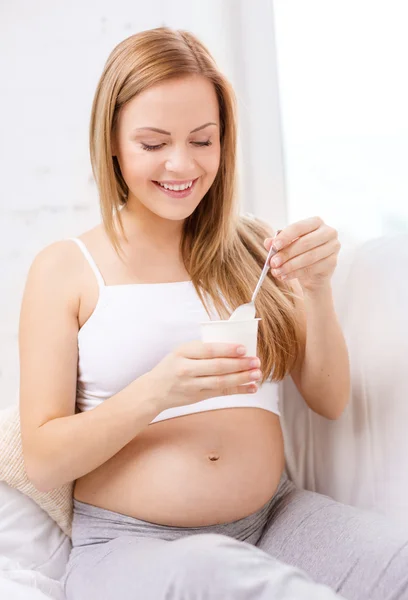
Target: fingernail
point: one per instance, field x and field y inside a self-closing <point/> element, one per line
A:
<point x="278" y="245"/>
<point x="276" y="261"/>
<point x="256" y="375"/>
<point x="241" y="350"/>
<point x="255" y="363"/>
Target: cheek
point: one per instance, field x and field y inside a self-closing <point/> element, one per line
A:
<point x="137" y="166"/>
<point x="211" y="163"/>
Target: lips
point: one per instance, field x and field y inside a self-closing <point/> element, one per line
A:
<point x="176" y="193"/>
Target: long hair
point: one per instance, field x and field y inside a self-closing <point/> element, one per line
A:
<point x="223" y="252"/>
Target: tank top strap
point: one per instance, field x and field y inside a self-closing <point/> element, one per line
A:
<point x="90" y="260"/>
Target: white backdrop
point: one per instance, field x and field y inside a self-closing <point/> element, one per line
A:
<point x="51" y="56"/>
<point x="342" y="69"/>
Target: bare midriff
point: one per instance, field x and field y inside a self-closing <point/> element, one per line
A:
<point x="193" y="470"/>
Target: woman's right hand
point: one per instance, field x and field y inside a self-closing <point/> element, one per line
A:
<point x="197" y="371"/>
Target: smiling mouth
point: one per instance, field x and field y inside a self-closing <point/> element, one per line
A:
<point x="177" y="190"/>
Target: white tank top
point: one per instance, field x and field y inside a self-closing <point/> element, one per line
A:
<point x="133" y="327"/>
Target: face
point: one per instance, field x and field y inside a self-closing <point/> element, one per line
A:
<point x="167" y="138"/>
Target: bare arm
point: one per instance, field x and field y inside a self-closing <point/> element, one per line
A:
<point x="59" y="446"/>
<point x="72" y="446"/>
<point x="322" y="373"/>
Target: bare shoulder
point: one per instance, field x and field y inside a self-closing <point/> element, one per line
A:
<point x="62" y="260"/>
<point x="56" y="267"/>
<point x="60" y="272"/>
<point x="56" y="255"/>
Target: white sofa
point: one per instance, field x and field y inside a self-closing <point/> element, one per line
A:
<point x="359" y="459"/>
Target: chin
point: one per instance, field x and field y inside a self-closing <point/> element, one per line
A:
<point x="180" y="214"/>
<point x="174" y="211"/>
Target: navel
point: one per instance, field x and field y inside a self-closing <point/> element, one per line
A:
<point x="213" y="457"/>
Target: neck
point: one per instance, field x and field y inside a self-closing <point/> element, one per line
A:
<point x="139" y="223"/>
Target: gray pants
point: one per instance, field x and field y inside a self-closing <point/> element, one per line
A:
<point x="299" y="546"/>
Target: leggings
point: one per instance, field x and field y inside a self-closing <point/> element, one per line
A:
<point x="298" y="546"/>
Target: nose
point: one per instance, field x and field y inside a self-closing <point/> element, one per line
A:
<point x="180" y="160"/>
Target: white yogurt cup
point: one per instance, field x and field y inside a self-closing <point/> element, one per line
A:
<point x="233" y="332"/>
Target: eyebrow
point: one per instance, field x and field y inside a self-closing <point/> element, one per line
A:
<point x="168" y="132"/>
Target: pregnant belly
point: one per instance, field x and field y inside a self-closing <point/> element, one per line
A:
<point x="194" y="470"/>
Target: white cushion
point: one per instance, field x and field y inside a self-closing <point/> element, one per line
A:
<point x="360" y="459"/>
<point x="12" y="589"/>
<point x="29" y="537"/>
<point x="57" y="502"/>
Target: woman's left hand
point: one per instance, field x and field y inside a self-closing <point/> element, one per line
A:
<point x="308" y="252"/>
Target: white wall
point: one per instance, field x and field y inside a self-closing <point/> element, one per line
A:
<point x="51" y="56"/>
<point x="343" y="85"/>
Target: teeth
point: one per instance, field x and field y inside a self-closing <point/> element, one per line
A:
<point x="176" y="188"/>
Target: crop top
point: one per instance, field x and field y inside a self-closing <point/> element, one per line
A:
<point x="132" y="328"/>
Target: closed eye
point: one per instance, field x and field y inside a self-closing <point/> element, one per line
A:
<point x="159" y="146"/>
<point x="147" y="147"/>
<point x="207" y="143"/>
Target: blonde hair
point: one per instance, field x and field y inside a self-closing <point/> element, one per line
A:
<point x="223" y="252"/>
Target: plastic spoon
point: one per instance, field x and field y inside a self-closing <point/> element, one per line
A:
<point x="247" y="311"/>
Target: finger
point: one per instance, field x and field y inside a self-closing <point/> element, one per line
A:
<point x="251" y="388"/>
<point x="197" y="350"/>
<point x="304" y="244"/>
<point x="319" y="268"/>
<point x="296" y="230"/>
<point x="224" y="382"/>
<point x="222" y="366"/>
<point x="268" y="241"/>
<point x="307" y="259"/>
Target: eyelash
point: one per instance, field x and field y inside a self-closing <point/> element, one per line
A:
<point x="151" y="148"/>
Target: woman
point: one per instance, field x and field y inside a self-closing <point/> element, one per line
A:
<point x="175" y="445"/>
